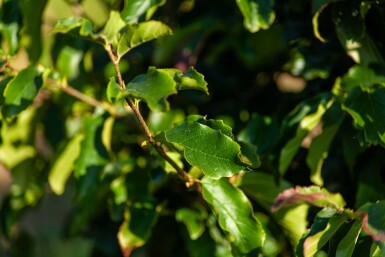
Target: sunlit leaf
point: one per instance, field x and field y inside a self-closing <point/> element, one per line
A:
<point x="137" y="226"/>
<point x="369" y="116"/>
<point x="77" y="26"/>
<point x="110" y="32"/>
<point x="133" y="9"/>
<point x="153" y="88"/>
<point x="306" y="125"/>
<point x="319" y="147"/>
<point x="156" y="85"/>
<point x="325" y="226"/>
<point x="138" y="34"/>
<point x="235" y="214"/>
<point x="68" y="62"/>
<point x="346" y="246"/>
<point x="262" y="187"/>
<point x="113" y="90"/>
<point x="194" y="219"/>
<point x="312" y="195"/>
<point x="206" y="148"/>
<point x="363" y="76"/>
<point x="257" y="14"/>
<point x="63" y="166"/>
<point x="21" y="91"/>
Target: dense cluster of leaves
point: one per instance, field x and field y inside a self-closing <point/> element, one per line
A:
<point x="108" y="148"/>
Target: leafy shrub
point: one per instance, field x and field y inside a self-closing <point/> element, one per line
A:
<point x="245" y="128"/>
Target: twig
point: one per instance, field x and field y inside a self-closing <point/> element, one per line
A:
<point x="135" y="108"/>
<point x="82" y="97"/>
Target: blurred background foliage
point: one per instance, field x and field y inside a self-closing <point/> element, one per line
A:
<point x="266" y="71"/>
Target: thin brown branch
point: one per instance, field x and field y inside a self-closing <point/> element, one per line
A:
<point x="135" y="108"/>
<point x="82" y="97"/>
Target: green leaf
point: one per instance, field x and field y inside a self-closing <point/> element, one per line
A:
<point x="137" y="226"/>
<point x="326" y="223"/>
<point x="235" y="214"/>
<point x="191" y="79"/>
<point x="114" y="25"/>
<point x="249" y="155"/>
<point x="374" y="221"/>
<point x="214" y="124"/>
<point x="10" y="33"/>
<point x="206" y="148"/>
<point x="363" y="76"/>
<point x="261" y="131"/>
<point x="294" y="221"/>
<point x="138" y="34"/>
<point x="348" y="21"/>
<point x="21" y="91"/>
<point x="134" y="9"/>
<point x="369" y="116"/>
<point x="153" y="88"/>
<point x="346" y="246"/>
<point x="77" y="26"/>
<point x="61" y="169"/>
<point x="262" y="187"/>
<point x="92" y="152"/>
<point x="319" y="147"/>
<point x="113" y="90"/>
<point x="313" y="195"/>
<point x="257" y="14"/>
<point x="289" y="151"/>
<point x="68" y="62"/>
<point x="32" y="23"/>
<point x="194" y="219"/>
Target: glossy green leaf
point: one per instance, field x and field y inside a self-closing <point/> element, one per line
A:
<point x="114" y="25"/>
<point x="134" y="9"/>
<point x="214" y="124"/>
<point x="235" y="214"/>
<point x="138" y="34"/>
<point x="313" y="195"/>
<point x="194" y="219"/>
<point x="320" y="145"/>
<point x="374" y="221"/>
<point x="113" y="90"/>
<point x="363" y="76"/>
<point x="63" y="166"/>
<point x="346" y="246"/>
<point x="257" y="14"/>
<point x="21" y="91"/>
<point x="206" y="148"/>
<point x="369" y="116"/>
<point x="325" y="226"/>
<point x="137" y="226"/>
<point x="289" y="151"/>
<point x="153" y="88"/>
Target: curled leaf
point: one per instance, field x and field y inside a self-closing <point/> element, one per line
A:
<point x="313" y="195"/>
